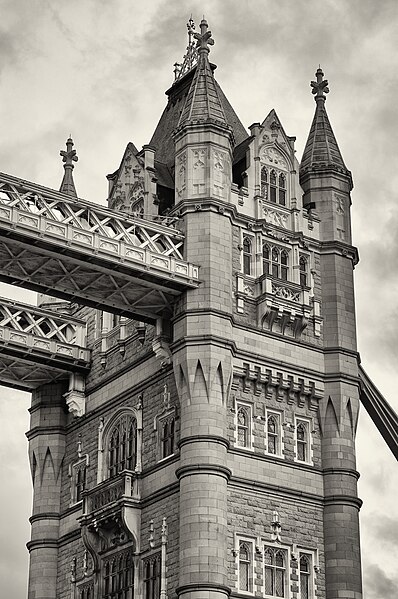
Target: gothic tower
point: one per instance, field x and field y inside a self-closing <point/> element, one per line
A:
<point x="206" y="447"/>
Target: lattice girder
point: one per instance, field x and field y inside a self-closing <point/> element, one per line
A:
<point x="39" y="346"/>
<point x="51" y="226"/>
<point x="83" y="252"/>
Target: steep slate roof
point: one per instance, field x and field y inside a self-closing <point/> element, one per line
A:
<point x="321" y="149"/>
<point x="187" y="99"/>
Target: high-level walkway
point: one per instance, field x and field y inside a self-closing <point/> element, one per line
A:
<point x="76" y="250"/>
<point x="39" y="346"/>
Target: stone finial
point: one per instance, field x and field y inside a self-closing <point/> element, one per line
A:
<point x="68" y="158"/>
<point x="203" y="39"/>
<point x="320" y="86"/>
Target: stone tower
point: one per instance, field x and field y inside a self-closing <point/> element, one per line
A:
<point x="208" y="450"/>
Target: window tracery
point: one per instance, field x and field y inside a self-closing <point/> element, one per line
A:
<point x="118" y="576"/>
<point x="247" y="255"/>
<point x="275" y="582"/>
<point x="273" y="185"/>
<point x="122" y="445"/>
<point x="273" y="432"/>
<point x="303" y="267"/>
<point x="302" y="440"/>
<point x="152" y="569"/>
<point x="245" y="574"/>
<point x="305" y="575"/>
<point x="275" y="261"/>
<point x="243" y="425"/>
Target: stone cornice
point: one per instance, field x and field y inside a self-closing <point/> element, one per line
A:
<point x="204" y="439"/>
<point x="212" y="469"/>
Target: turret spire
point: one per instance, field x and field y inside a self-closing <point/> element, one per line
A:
<point x="321" y="150"/>
<point x="68" y="158"/>
<point x="203" y="102"/>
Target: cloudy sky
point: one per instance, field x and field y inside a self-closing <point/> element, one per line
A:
<point x="99" y="69"/>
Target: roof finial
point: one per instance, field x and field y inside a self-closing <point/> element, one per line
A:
<point x="68" y="158"/>
<point x="191" y="55"/>
<point x="320" y="86"/>
<point x="203" y="39"/>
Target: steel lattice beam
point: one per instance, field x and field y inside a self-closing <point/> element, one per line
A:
<point x="81" y="252"/>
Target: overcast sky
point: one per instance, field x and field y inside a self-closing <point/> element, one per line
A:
<point x="98" y="70"/>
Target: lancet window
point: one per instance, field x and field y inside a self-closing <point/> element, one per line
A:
<point x="305" y="570"/>
<point x="118" y="576"/>
<point x="122" y="445"/>
<point x="247" y="255"/>
<point x="303" y="267"/>
<point x="274" y="433"/>
<point x="275" y="261"/>
<point x="167" y="436"/>
<point x="275" y="565"/>
<point x="302" y="440"/>
<point x="245" y="566"/>
<point x="243" y="425"/>
<point x="151" y="569"/>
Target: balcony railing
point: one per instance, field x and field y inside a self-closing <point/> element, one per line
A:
<point x="125" y="486"/>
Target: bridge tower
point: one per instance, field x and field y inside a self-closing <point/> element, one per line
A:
<point x="193" y="361"/>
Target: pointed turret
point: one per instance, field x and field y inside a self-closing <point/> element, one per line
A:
<point x="203" y="103"/>
<point x="321" y="150"/>
<point x="68" y="158"/>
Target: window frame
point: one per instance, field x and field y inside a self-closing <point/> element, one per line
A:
<point x="128" y="572"/>
<point x="247" y="407"/>
<point x="286" y="569"/>
<point x="276" y="269"/>
<point x="270" y="412"/>
<point x="271" y="188"/>
<point x="74" y="469"/>
<point x="122" y="455"/>
<point x="307" y="422"/>
<point x="170" y="440"/>
<point x="152" y="583"/>
<point x="250" y="543"/>
<point x="246" y="256"/>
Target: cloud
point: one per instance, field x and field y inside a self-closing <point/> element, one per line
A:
<point x="384" y="528"/>
<point x="379" y="584"/>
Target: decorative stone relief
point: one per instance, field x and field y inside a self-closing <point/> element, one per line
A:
<point x="274" y="217"/>
<point x="219" y="173"/>
<point x="285" y="293"/>
<point x="340" y="215"/>
<point x="181" y="174"/>
<point x="272" y="156"/>
<point x="198" y="178"/>
<point x="136" y="198"/>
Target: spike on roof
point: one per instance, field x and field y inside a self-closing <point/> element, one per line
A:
<point x="203" y="101"/>
<point x="68" y="158"/>
<point x="191" y="56"/>
<point x="321" y="149"/>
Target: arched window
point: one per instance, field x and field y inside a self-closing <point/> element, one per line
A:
<point x="264" y="182"/>
<point x="272" y="186"/>
<point x="284" y="265"/>
<point x="247" y="255"/>
<point x="275" y="572"/>
<point x="302" y="440"/>
<point x="305" y="576"/>
<point x="273" y="434"/>
<point x="303" y="271"/>
<point x="245" y="567"/>
<point x="275" y="262"/>
<point x="266" y="260"/>
<point x="122" y="446"/>
<point x="243" y="425"/>
<point x="282" y="190"/>
<point x="80" y="481"/>
<point x="167" y="437"/>
<point x="118" y="580"/>
<point x="152" y="577"/>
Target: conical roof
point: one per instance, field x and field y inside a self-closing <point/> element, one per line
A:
<point x="203" y="102"/>
<point x="321" y="149"/>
